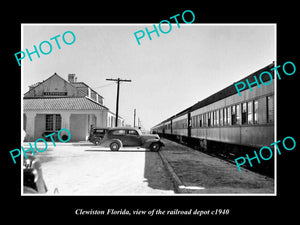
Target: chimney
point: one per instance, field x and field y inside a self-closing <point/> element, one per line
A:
<point x="71" y="78"/>
<point x="34" y="85"/>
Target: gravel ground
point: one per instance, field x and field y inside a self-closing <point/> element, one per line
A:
<point x="213" y="175"/>
<point x="84" y="169"/>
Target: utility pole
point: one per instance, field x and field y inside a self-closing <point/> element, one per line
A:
<point x="118" y="89"/>
<point x="134" y="115"/>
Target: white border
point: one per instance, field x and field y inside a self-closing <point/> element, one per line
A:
<point x="146" y="24"/>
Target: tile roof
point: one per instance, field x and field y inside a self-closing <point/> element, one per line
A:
<point x="78" y="103"/>
<point x="79" y="84"/>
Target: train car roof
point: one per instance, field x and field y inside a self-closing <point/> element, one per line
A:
<point x="224" y="93"/>
<point x="231" y="90"/>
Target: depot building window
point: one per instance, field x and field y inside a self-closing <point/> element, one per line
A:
<point x="55" y="93"/>
<point x="53" y="122"/>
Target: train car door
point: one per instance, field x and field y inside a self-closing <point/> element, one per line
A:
<point x="189" y="125"/>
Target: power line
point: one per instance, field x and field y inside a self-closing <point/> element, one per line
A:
<point x="106" y="85"/>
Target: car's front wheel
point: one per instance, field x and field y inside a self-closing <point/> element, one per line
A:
<point x="97" y="141"/>
<point x="115" y="146"/>
<point x="154" y="147"/>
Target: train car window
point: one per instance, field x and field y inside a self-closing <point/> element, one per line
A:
<point x="270" y="109"/>
<point x="209" y="119"/>
<point x="250" y="112"/>
<point x="225" y="117"/>
<point x="244" y="113"/>
<point x="207" y="124"/>
<point x="221" y="117"/>
<point x="200" y="120"/>
<point x="233" y="115"/>
<point x="238" y="114"/>
<point x="229" y="115"/>
<point x="193" y="121"/>
<point x="206" y="120"/>
<point x="255" y="111"/>
<point x="215" y="118"/>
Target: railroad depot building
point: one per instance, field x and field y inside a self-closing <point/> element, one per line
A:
<point x="55" y="103"/>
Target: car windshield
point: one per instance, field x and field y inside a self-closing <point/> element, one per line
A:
<point x="139" y="132"/>
<point x="118" y="132"/>
<point x="126" y="132"/>
<point x="99" y="131"/>
<point x="133" y="132"/>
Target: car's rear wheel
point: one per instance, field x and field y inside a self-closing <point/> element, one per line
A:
<point x="154" y="147"/>
<point x="115" y="146"/>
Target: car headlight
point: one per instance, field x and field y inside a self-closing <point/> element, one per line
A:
<point x="30" y="177"/>
<point x="27" y="163"/>
<point x="36" y="175"/>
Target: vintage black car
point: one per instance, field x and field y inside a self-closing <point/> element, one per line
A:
<point x="33" y="181"/>
<point x="96" y="135"/>
<point x="118" y="137"/>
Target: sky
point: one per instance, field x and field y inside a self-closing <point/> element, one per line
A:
<point x="169" y="73"/>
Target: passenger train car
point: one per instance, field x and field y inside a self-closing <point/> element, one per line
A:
<point x="225" y="123"/>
